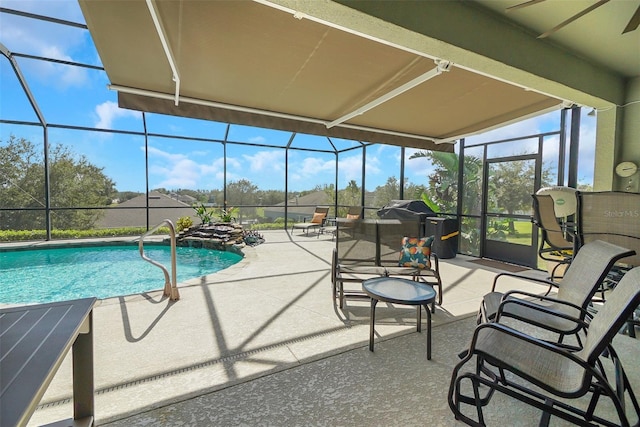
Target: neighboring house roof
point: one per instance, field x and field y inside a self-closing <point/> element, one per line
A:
<point x="299" y="207"/>
<point x="132" y="213"/>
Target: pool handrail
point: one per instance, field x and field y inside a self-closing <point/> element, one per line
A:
<point x="170" y="286"/>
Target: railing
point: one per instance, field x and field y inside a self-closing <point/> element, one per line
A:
<point x="170" y="286"/>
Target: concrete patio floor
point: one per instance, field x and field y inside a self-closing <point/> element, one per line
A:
<point x="269" y="313"/>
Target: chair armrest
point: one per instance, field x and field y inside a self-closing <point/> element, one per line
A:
<point x="519" y="276"/>
<point x="513" y="334"/>
<point x="436" y="263"/>
<point x="544" y="298"/>
<point x="551" y="299"/>
<point x="543" y="309"/>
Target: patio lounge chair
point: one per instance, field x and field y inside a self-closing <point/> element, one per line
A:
<point x="554" y="379"/>
<point x="319" y="215"/>
<point x="353" y="213"/>
<point x="554" y="246"/>
<point x="582" y="279"/>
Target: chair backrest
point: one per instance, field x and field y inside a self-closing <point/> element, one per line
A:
<point x="612" y="216"/>
<point x="320" y="214"/>
<point x="588" y="270"/>
<point x="390" y="235"/>
<point x="618" y="308"/>
<point x="545" y="219"/>
<point x="354" y="212"/>
<point x="356" y="241"/>
<point x="373" y="241"/>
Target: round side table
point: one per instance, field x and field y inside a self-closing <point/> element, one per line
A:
<point x="397" y="290"/>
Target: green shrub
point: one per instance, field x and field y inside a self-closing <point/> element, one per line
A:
<point x="23" y="235"/>
<point x="183" y="223"/>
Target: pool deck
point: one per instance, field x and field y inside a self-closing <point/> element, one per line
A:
<point x="267" y="314"/>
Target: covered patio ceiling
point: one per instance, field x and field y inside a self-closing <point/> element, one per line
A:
<point x="260" y="64"/>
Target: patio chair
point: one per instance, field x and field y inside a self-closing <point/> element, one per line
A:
<point x="371" y="248"/>
<point x="582" y="279"/>
<point x="554" y="246"/>
<point x="556" y="380"/>
<point x="353" y="213"/>
<point x="612" y="216"/>
<point x="316" y="222"/>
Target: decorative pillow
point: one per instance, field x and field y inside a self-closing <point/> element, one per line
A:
<point x="317" y="218"/>
<point x="415" y="252"/>
<point x="350" y="216"/>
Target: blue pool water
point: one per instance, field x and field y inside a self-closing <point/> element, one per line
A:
<point x="48" y="275"/>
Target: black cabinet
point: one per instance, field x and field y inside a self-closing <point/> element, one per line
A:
<point x="446" y="233"/>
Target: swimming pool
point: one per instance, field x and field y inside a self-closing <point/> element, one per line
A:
<point x="48" y="275"/>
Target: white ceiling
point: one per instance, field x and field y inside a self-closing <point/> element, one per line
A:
<point x="596" y="36"/>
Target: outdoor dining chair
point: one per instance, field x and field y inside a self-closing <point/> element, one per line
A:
<point x="548" y="376"/>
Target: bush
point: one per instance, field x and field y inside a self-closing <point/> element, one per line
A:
<point x="183" y="223"/>
<point x="23" y="235"/>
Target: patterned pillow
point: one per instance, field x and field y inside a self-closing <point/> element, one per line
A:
<point x="415" y="252"/>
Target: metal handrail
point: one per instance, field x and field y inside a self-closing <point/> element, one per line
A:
<point x="170" y="286"/>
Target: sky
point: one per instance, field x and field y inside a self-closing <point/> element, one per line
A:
<point x="79" y="96"/>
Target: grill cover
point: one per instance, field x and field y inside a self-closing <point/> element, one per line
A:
<point x="406" y="209"/>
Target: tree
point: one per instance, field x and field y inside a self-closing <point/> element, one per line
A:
<point x="510" y="188"/>
<point x="240" y="193"/>
<point x="443" y="182"/>
<point x="387" y="192"/>
<point x="73" y="181"/>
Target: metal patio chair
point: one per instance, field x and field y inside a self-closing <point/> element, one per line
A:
<point x="353" y="213"/>
<point x="317" y="221"/>
<point x="612" y="216"/>
<point x="554" y="246"/>
<point x="558" y="381"/>
<point x="582" y="279"/>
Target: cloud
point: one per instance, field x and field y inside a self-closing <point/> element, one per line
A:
<point x="530" y="126"/>
<point x="175" y="170"/>
<point x="265" y="161"/>
<point x="313" y="166"/>
<point x="350" y="168"/>
<point x="257" y="140"/>
<point x="214" y="168"/>
<point x="109" y="111"/>
<point x="36" y="37"/>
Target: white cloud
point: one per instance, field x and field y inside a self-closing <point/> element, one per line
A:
<point x="313" y="166"/>
<point x="175" y="170"/>
<point x="20" y="34"/>
<point x="530" y="126"/>
<point x="109" y="111"/>
<point x="214" y="168"/>
<point x="257" y="140"/>
<point x="350" y="168"/>
<point x="265" y="161"/>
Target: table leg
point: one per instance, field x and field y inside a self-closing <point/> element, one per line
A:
<point x="419" y="317"/>
<point x="83" y="399"/>
<point x="426" y="308"/>
<point x="373" y="321"/>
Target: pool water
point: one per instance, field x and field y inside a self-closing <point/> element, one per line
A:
<point x="48" y="275"/>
